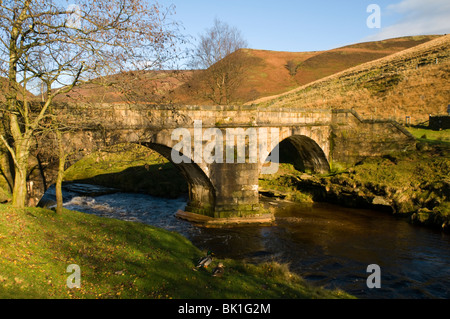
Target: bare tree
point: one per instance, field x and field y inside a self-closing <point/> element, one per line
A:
<point x="218" y="54"/>
<point x="221" y="81"/>
<point x="216" y="43"/>
<point x="59" y="46"/>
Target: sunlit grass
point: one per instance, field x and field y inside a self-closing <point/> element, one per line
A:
<point x="120" y="259"/>
<point x="431" y="136"/>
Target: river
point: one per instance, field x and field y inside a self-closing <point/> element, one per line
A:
<point x="327" y="245"/>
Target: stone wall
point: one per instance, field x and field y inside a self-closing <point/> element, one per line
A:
<point x="354" y="139"/>
<point x="171" y="116"/>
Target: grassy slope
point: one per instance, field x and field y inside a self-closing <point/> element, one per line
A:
<point x="121" y="259"/>
<point x="412" y="180"/>
<point x="337" y="60"/>
<point x="267" y="74"/>
<point x="413" y="82"/>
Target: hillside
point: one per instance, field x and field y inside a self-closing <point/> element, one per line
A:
<point x="413" y="83"/>
<point x="266" y="73"/>
<point x="138" y="86"/>
<point x="337" y="60"/>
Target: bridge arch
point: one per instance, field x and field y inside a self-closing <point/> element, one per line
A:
<point x="202" y="194"/>
<point x="303" y="152"/>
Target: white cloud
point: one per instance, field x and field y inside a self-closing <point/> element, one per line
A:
<point x="418" y="17"/>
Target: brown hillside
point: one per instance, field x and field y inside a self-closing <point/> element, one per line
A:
<point x="4" y="89"/>
<point x="129" y="87"/>
<point x="413" y="82"/>
<point x="266" y="74"/>
<point x="274" y="77"/>
<point x="271" y="75"/>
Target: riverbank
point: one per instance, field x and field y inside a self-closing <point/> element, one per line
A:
<point x="414" y="184"/>
<point x="120" y="259"/>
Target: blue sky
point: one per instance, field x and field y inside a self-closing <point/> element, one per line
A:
<point x="285" y="25"/>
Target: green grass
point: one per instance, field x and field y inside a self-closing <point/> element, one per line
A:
<point x="283" y="183"/>
<point x="4" y="194"/>
<point x="430" y="136"/>
<point x="416" y="183"/>
<point x="113" y="160"/>
<point x="120" y="259"/>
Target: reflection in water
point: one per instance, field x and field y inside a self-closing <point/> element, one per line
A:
<point x="327" y="245"/>
<point x="333" y="246"/>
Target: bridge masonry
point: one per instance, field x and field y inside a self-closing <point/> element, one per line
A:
<point x="221" y="190"/>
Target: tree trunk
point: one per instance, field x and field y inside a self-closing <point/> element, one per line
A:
<point x="7" y="170"/>
<point x="20" y="154"/>
<point x="19" y="198"/>
<point x="6" y="163"/>
<point x="60" y="177"/>
<point x="58" y="187"/>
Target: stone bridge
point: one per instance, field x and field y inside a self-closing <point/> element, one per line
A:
<point x="225" y="184"/>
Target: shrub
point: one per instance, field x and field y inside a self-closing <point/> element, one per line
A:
<point x="292" y="67"/>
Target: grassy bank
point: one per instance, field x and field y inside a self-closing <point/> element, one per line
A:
<point x="121" y="259"/>
<point x="415" y="184"/>
<point x="284" y="184"/>
<point x="425" y="135"/>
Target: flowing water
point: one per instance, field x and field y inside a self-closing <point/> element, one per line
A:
<point x="327" y="245"/>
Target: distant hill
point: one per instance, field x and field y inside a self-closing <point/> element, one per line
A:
<point x="267" y="73"/>
<point x="129" y="87"/>
<point x="412" y="82"/>
<point x="333" y="61"/>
